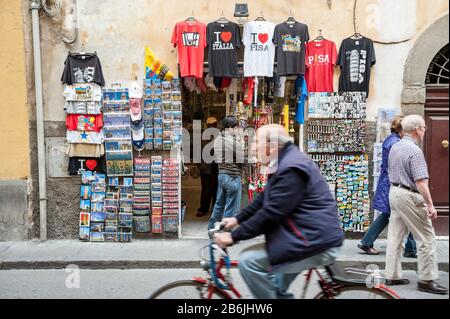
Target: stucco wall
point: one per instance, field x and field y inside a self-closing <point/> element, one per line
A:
<point x="118" y="31"/>
<point x="14" y="138"/>
<point x="14" y="145"/>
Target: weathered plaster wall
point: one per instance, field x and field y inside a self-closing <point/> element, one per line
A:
<point x="14" y="158"/>
<point x="14" y="139"/>
<point x="118" y="30"/>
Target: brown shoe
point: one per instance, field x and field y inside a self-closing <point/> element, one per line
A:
<point x="431" y="287"/>
<point x="396" y="282"/>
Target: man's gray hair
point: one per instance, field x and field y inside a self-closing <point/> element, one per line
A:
<point x="411" y="122"/>
<point x="282" y="140"/>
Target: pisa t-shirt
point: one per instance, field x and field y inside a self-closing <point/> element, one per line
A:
<point x="356" y="57"/>
<point x="320" y="60"/>
<point x="223" y="41"/>
<point x="290" y="40"/>
<point x="259" y="53"/>
<point x="190" y="39"/>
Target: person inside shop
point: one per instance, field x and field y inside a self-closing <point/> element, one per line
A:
<point x="208" y="176"/>
<point x="296" y="212"/>
<point x="381" y="198"/>
<point x="230" y="158"/>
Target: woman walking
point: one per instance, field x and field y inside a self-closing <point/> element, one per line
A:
<point x="381" y="199"/>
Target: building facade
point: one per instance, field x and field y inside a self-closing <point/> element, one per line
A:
<point x="409" y="37"/>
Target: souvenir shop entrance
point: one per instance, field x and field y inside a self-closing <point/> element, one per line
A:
<point x="205" y="104"/>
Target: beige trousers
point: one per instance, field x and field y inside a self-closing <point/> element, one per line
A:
<point x="409" y="213"/>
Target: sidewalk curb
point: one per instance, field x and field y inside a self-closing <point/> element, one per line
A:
<point x="168" y="264"/>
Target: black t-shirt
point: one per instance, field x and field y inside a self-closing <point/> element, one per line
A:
<point x="223" y="40"/>
<point x="290" y="40"/>
<point x="356" y="57"/>
<point x="82" y="69"/>
<point x="79" y="164"/>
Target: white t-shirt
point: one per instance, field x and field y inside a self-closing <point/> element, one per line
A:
<point x="84" y="137"/>
<point x="259" y="54"/>
<point x="83" y="92"/>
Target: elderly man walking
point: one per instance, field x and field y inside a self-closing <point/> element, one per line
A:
<point x="411" y="209"/>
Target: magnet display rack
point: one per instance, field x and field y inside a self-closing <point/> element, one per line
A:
<point x="335" y="140"/>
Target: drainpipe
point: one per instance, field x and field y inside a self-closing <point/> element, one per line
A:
<point x="35" y="6"/>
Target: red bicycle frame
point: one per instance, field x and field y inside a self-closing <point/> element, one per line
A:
<point x="212" y="287"/>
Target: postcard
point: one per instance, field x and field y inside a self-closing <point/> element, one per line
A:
<point x="97" y="216"/>
<point x="97" y="227"/>
<point x="110" y="236"/>
<point x="124" y="237"/>
<point x="86" y="177"/>
<point x="96" y="236"/>
<point x="84" y="219"/>
<point x="97" y="206"/>
<point x="110" y="216"/>
<point x="142" y="224"/>
<point x="84" y="233"/>
<point x="85" y="204"/>
<point x="85" y="191"/>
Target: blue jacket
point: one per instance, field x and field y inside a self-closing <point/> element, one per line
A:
<point x="296" y="212"/>
<point x="381" y="198"/>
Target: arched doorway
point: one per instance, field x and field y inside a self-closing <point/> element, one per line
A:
<point x="436" y="144"/>
<point x="426" y="92"/>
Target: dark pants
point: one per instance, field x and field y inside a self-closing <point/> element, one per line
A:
<point x="377" y="227"/>
<point x="209" y="190"/>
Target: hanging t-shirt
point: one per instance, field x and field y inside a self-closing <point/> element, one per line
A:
<point x="259" y="50"/>
<point x="83" y="92"/>
<point x="84" y="137"/>
<point x="356" y="57"/>
<point x="82" y="69"/>
<point x="290" y="39"/>
<point x="223" y="41"/>
<point x="89" y="107"/>
<point x="77" y="165"/>
<point x="93" y="123"/>
<point x="320" y="60"/>
<point x="190" y="39"/>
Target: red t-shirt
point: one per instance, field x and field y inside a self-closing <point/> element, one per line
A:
<point x="91" y="123"/>
<point x="190" y="38"/>
<point x="320" y="60"/>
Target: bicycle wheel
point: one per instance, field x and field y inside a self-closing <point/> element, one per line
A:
<point x="358" y="292"/>
<point x="186" y="289"/>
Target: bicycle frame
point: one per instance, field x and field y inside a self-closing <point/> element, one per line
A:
<point x="328" y="287"/>
<point x="212" y="286"/>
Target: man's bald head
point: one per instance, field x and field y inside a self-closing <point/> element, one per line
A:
<point x="269" y="140"/>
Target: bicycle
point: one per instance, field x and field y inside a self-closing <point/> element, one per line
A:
<point x="333" y="282"/>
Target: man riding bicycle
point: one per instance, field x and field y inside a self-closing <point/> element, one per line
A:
<point x="296" y="212"/>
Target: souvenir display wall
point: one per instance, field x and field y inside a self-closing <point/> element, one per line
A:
<point x="92" y="215"/>
<point x="82" y="79"/>
<point x="162" y="114"/>
<point x="348" y="179"/>
<point x="141" y="204"/>
<point x="117" y="131"/>
<point x="335" y="135"/>
<point x="156" y="194"/>
<point x="170" y="194"/>
<point x="126" y="131"/>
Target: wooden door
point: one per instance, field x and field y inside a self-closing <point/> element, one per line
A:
<point x="436" y="149"/>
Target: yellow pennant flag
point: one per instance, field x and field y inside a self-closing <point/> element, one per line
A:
<point x="286" y="117"/>
<point x="155" y="68"/>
